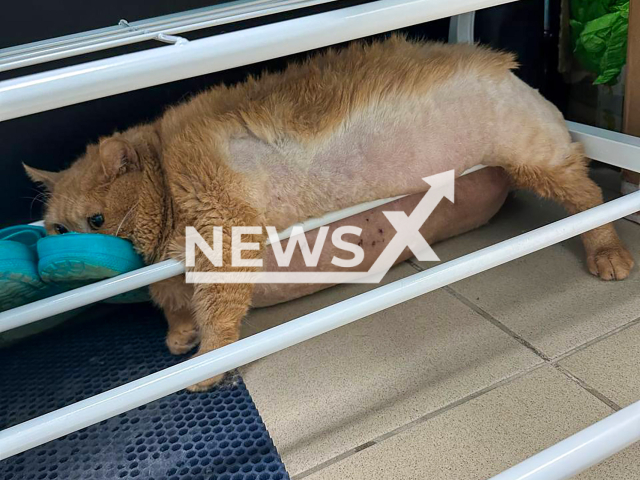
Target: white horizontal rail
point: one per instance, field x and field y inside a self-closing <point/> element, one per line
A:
<point x="101" y="290"/>
<point x="582" y="450"/>
<point x="127" y="33"/>
<point x="332" y="217"/>
<point x="113" y="402"/>
<point x="617" y="149"/>
<point x="58" y="88"/>
<point x="79" y="297"/>
<point x="125" y="26"/>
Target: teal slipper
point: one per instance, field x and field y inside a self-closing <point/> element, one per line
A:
<point x="19" y="279"/>
<point x="76" y="259"/>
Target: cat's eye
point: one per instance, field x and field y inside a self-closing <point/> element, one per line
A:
<point x="60" y="229"/>
<point x="96" y="221"/>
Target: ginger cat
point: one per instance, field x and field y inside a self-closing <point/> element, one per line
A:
<point x="347" y="126"/>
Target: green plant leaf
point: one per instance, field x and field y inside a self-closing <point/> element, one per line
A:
<point x="600" y="43"/>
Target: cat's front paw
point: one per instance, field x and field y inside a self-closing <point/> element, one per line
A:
<point x="182" y="340"/>
<point x="613" y="263"/>
<point x="207" y="384"/>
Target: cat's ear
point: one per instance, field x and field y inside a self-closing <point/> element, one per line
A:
<point x="48" y="179"/>
<point x="118" y="157"/>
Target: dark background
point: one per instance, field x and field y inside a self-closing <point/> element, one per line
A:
<point x="52" y="140"/>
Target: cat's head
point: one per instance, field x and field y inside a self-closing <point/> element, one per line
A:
<point x="100" y="190"/>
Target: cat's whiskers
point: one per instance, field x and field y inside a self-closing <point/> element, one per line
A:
<point x="125" y="217"/>
<point x="41" y="192"/>
<point x="37" y="198"/>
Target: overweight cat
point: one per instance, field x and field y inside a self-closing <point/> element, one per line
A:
<point x="348" y="126"/>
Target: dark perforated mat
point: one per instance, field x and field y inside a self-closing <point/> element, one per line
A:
<point x="216" y="435"/>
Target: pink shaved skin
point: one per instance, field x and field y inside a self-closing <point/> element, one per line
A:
<point x="478" y="197"/>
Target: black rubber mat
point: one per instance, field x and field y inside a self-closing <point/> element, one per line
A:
<point x="185" y="436"/>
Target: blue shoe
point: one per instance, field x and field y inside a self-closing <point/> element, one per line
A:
<point x="19" y="279"/>
<point x="76" y="259"/>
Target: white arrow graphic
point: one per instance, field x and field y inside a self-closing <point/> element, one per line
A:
<point x="407" y="235"/>
<point x="408" y="227"/>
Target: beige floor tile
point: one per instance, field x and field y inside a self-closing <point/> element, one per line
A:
<point x="486" y="435"/>
<point x="611" y="366"/>
<point x="342" y="389"/>
<point x="547" y="297"/>
<point x="622" y="466"/>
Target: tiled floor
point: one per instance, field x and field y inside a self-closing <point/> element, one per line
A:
<point x="463" y="382"/>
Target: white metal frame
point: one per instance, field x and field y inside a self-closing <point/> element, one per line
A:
<point x="57" y="88"/>
<point x="66" y="86"/>
<point x="162" y="29"/>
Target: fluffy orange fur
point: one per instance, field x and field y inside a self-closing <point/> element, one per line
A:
<point x="347" y="126"/>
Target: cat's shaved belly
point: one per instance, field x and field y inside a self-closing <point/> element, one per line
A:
<point x="364" y="163"/>
<point x="387" y="149"/>
<point x="391" y="158"/>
